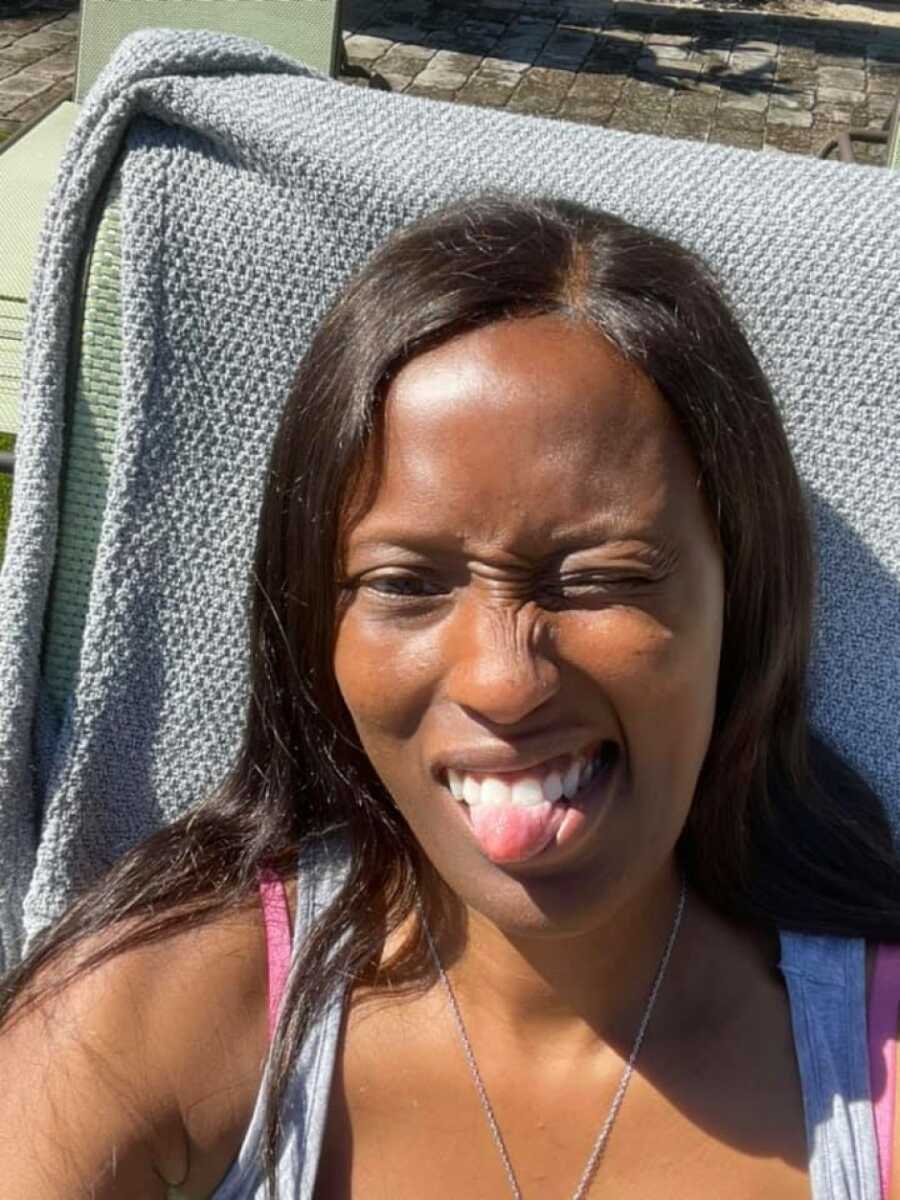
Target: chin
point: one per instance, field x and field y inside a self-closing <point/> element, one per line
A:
<point x="579" y="881"/>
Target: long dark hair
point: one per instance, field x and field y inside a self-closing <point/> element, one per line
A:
<point x="782" y="832"/>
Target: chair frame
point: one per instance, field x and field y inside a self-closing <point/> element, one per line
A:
<point x="888" y="135"/>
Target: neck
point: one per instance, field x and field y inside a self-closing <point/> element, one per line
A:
<point x="555" y="989"/>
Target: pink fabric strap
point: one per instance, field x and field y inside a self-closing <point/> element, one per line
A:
<point x="277" y="922"/>
<point x="884" y="1009"/>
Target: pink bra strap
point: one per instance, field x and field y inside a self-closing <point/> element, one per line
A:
<point x="884" y="1009"/>
<point x="278" y="940"/>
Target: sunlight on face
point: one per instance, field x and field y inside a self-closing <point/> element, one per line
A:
<point x="535" y="591"/>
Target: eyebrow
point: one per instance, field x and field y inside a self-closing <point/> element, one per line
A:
<point x="662" y="555"/>
<point x="654" y="547"/>
<point x="607" y="533"/>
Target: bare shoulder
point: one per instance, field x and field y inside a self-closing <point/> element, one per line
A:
<point x="142" y="1073"/>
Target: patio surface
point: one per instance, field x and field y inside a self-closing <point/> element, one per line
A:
<point x="739" y="79"/>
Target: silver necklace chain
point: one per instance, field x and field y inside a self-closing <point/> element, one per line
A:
<point x="603" y="1136"/>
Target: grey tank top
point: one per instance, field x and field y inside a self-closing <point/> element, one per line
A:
<point x="826" y="983"/>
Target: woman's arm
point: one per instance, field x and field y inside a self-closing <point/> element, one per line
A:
<point x="140" y="1075"/>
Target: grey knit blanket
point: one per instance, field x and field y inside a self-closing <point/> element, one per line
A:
<point x="251" y="190"/>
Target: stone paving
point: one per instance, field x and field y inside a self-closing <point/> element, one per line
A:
<point x="37" y="65"/>
<point x="739" y="79"/>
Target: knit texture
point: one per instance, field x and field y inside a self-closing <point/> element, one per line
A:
<point x="250" y="191"/>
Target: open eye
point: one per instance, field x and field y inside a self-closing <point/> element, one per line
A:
<point x="403" y="585"/>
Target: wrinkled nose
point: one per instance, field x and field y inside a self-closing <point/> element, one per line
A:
<point x="502" y="668"/>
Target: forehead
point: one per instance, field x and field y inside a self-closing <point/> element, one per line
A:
<point x="519" y="433"/>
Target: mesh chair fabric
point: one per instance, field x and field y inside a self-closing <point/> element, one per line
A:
<point x="308" y="30"/>
<point x="27" y="170"/>
<point x="12" y="332"/>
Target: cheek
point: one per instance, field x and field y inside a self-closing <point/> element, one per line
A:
<point x="385" y="677"/>
<point x="664" y="652"/>
<point x="659" y="675"/>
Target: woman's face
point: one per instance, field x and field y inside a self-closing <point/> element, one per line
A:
<point x="530" y="644"/>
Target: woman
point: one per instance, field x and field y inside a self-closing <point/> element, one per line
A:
<point x="529" y="640"/>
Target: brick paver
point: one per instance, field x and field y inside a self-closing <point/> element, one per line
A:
<point x="760" y="82"/>
<point x="37" y="65"/>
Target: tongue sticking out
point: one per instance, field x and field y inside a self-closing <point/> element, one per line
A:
<point x="510" y="833"/>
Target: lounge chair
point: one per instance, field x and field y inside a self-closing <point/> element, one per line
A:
<point x="141" y="457"/>
<point x="308" y="30"/>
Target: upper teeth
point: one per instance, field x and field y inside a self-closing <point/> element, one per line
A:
<point x="537" y="786"/>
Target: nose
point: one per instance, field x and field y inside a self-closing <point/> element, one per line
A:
<point x="502" y="666"/>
